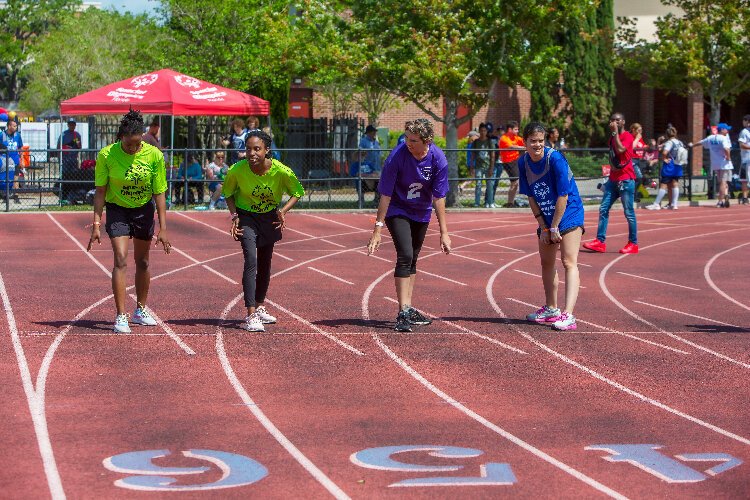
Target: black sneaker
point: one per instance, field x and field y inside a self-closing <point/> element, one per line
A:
<point x="726" y="203"/>
<point x="402" y="322"/>
<point x="417" y="318"/>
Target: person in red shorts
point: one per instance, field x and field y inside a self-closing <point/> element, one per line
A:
<point x="621" y="184"/>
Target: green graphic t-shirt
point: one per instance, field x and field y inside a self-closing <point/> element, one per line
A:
<point x="131" y="180"/>
<point x="260" y="193"/>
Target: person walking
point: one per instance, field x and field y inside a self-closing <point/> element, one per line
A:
<point x="621" y="184"/>
<point x="546" y="178"/>
<point x="413" y="180"/>
<point x="131" y="180"/>
<point x="674" y="158"/>
<point x="744" y="142"/>
<point x="253" y="189"/>
<point x="720" y="146"/>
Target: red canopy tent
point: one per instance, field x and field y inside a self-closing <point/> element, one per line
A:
<point x="165" y="92"/>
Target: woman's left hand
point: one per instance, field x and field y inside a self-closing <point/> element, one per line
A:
<point x="164" y="240"/>
<point x="545" y="237"/>
<point x="281" y="223"/>
<point x="445" y="243"/>
<point x="554" y="237"/>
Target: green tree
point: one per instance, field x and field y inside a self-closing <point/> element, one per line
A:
<point x="24" y="23"/>
<point x="587" y="79"/>
<point x="426" y="50"/>
<point x="94" y="48"/>
<point x="705" y="47"/>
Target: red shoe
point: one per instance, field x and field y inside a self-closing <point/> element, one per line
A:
<point x="629" y="248"/>
<point x="597" y="246"/>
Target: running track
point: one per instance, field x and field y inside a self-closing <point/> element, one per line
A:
<point x="648" y="398"/>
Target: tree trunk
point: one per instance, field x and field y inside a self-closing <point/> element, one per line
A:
<point x="451" y="146"/>
<point x="715" y="115"/>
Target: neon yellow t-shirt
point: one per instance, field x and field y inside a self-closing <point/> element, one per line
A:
<point x="131" y="180"/>
<point x="260" y="193"/>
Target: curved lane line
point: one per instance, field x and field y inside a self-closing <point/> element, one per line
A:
<point x="603" y="286"/>
<point x="616" y="385"/>
<point x="707" y="276"/>
<point x="305" y="462"/>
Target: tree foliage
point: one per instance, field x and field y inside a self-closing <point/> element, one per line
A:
<point x="92" y="49"/>
<point x="587" y="79"/>
<point x="706" y="46"/>
<point x="23" y="23"/>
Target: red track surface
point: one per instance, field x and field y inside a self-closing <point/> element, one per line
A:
<point x="652" y="362"/>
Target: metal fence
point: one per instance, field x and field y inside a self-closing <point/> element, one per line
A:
<point x="59" y="178"/>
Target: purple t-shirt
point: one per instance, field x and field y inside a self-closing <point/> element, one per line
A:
<point x="412" y="184"/>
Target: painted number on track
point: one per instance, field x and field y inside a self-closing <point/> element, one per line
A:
<point x="236" y="470"/>
<point x="490" y="474"/>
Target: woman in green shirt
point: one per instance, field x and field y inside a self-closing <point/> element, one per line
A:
<point x="131" y="179"/>
<point x="253" y="189"/>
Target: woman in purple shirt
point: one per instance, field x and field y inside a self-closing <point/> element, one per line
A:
<point x="413" y="179"/>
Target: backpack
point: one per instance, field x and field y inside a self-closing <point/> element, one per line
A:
<point x="614" y="159"/>
<point x="679" y="152"/>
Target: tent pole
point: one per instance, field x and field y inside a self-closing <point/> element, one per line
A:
<point x="171" y="159"/>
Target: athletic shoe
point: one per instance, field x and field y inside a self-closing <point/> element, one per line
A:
<point x="566" y="322"/>
<point x="653" y="206"/>
<point x="544" y="314"/>
<point x="253" y="323"/>
<point x="629" y="248"/>
<point x="720" y="204"/>
<point x="744" y="201"/>
<point x="121" y="323"/>
<point x="142" y="317"/>
<point x="726" y="203"/>
<point x="417" y="318"/>
<point x="672" y="207"/>
<point x="264" y="316"/>
<point x="595" y="246"/>
<point x="402" y="322"/>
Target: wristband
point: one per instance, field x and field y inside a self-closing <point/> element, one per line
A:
<point x="379" y="223"/>
<point x="554" y="230"/>
<point x="545" y="229"/>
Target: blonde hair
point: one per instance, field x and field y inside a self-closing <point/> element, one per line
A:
<point x="421" y="127"/>
<point x="635" y="126"/>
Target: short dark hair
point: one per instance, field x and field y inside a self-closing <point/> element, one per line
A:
<point x="511" y="124"/>
<point x="746" y="118"/>
<point x="131" y="123"/>
<point x="483" y="125"/>
<point x="533" y="128"/>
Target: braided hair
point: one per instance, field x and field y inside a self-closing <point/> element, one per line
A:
<point x="131" y="124"/>
<point x="264" y="136"/>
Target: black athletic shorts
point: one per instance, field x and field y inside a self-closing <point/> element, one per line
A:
<point x="563" y="232"/>
<point x="135" y="223"/>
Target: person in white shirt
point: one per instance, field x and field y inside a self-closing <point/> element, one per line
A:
<point x="719" y="146"/>
<point x="744" y="141"/>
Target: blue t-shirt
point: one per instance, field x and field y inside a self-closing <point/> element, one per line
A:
<point x="548" y="179"/>
<point x="13" y="143"/>
<point x="412" y="184"/>
<point x="372" y="157"/>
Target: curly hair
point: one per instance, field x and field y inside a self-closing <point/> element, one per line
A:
<point x="131" y="124"/>
<point x="421" y="127"/>
<point x="264" y="136"/>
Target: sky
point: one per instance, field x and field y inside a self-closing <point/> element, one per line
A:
<point x="134" y="6"/>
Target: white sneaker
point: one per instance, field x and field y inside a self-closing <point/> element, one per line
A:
<point x="566" y="322"/>
<point x="653" y="206"/>
<point x="264" y="316"/>
<point x="142" y="317"/>
<point x="121" y="324"/>
<point x="672" y="207"/>
<point x="253" y="323"/>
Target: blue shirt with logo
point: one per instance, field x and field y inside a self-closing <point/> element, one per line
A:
<point x="548" y="179"/>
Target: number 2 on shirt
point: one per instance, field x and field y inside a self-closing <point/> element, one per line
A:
<point x="414" y="190"/>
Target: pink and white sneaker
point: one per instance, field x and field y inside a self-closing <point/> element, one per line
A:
<point x="544" y="314"/>
<point x="566" y="321"/>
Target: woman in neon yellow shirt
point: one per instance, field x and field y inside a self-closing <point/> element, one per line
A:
<point x="130" y="177"/>
<point x="253" y="189"/>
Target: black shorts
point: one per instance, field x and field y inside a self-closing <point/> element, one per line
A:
<point x="262" y="225"/>
<point x="135" y="223"/>
<point x="511" y="169"/>
<point x="563" y="232"/>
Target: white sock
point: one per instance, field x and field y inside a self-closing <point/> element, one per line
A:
<point x="659" y="196"/>
<point x="675" y="195"/>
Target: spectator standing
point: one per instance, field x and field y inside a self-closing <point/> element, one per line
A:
<point x="152" y="135"/>
<point x="11" y="143"/>
<point x="235" y="142"/>
<point x="470" y="138"/>
<point x="639" y="148"/>
<point x="252" y="123"/>
<point x="494" y="170"/>
<point x="554" y="141"/>
<point x="483" y="153"/>
<point x="275" y="153"/>
<point x="216" y="171"/>
<point x="674" y="158"/>
<point x="512" y="144"/>
<point x="621" y="184"/>
<point x="369" y="142"/>
<point x="719" y="146"/>
<point x="744" y="141"/>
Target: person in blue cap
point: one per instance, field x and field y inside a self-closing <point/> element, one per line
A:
<point x="10" y="144"/>
<point x="719" y="145"/>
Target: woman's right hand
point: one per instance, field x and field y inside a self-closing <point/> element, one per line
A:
<point x="374" y="242"/>
<point x="236" y="231"/>
<point x="95" y="236"/>
<point x="545" y="237"/>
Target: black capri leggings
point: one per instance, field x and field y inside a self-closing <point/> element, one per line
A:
<point x="408" y="236"/>
<point x="256" y="275"/>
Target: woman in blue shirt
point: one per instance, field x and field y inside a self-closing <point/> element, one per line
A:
<point x="545" y="177"/>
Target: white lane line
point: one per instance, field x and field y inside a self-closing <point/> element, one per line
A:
<point x="686" y="313"/>
<point x="579" y="263"/>
<point x="657" y="281"/>
<point x="373" y="256"/>
<point x="454" y="235"/>
<point x="605" y="290"/>
<point x="336" y="222"/>
<point x="176" y="338"/>
<point x="495" y="428"/>
<point x="467" y="331"/>
<point x="204" y="266"/>
<point x="283" y="256"/>
<point x="471" y="258"/>
<point x="707" y="276"/>
<point x="167" y="329"/>
<point x="316" y="237"/>
<point x="604" y="329"/>
<point x="540" y="276"/>
<point x="442" y="277"/>
<point x="300" y="457"/>
<point x="36" y="407"/>
<point x="329" y="275"/>
<point x="598" y="376"/>
<point x="503" y="246"/>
